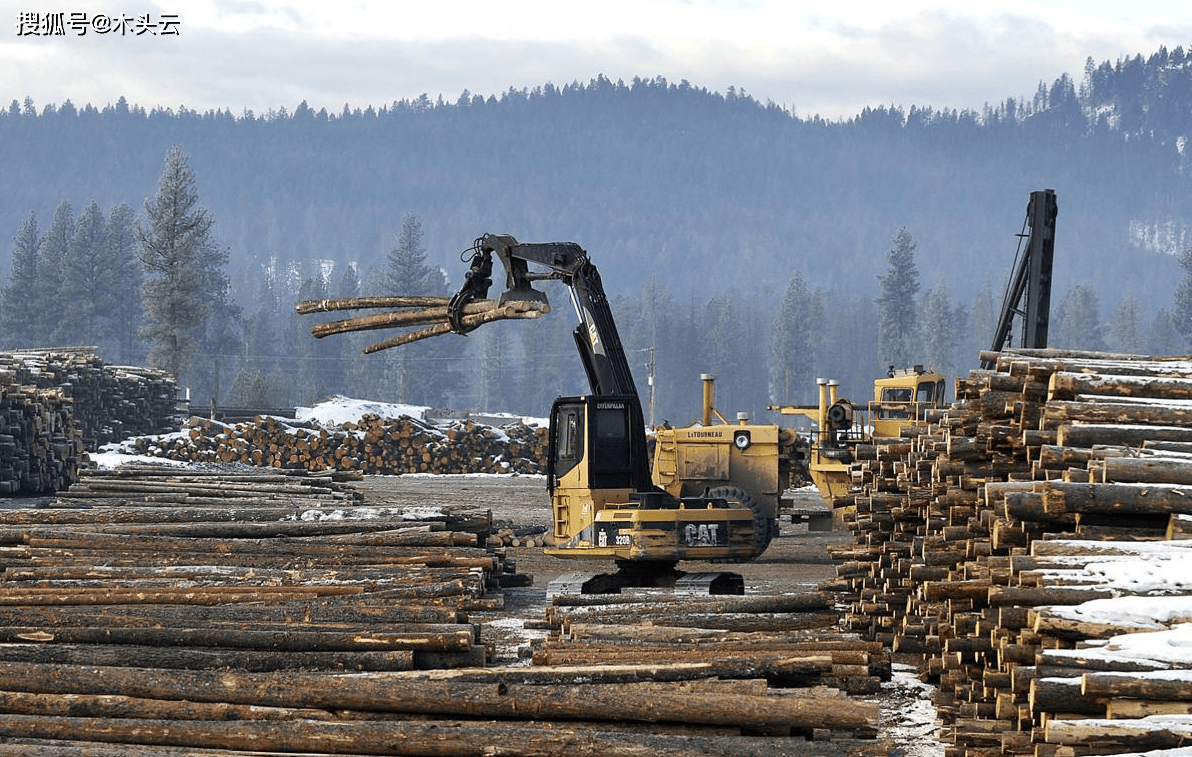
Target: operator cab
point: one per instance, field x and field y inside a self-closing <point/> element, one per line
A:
<point x="902" y="398"/>
<point x="604" y="431"/>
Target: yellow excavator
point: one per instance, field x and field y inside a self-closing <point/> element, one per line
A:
<point x="603" y="501"/>
<point x="844" y="429"/>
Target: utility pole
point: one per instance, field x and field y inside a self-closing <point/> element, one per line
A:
<point x="650" y="383"/>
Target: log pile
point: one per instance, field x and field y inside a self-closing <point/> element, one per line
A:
<point x="55" y="404"/>
<point x="982" y="540"/>
<point x="372" y="445"/>
<point x="216" y="611"/>
<point x="111" y="402"/>
<point x="40" y="448"/>
<point x="776" y="662"/>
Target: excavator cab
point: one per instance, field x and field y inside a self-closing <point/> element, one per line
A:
<point x="605" y="506"/>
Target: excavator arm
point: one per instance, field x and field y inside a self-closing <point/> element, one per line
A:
<point x="596" y="336"/>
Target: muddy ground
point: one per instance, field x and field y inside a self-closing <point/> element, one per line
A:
<point x="796" y="561"/>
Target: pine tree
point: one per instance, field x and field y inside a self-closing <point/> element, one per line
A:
<point x="407" y="271"/>
<point x="1182" y="306"/>
<point x="1125" y="326"/>
<point x="19" y="309"/>
<point x="419" y="369"/>
<point x="793" y="351"/>
<point x="897" y="302"/>
<point x="88" y="287"/>
<point x="940" y="323"/>
<point x="125" y="312"/>
<point x="179" y="259"/>
<point x="51" y="256"/>
<point x="1079" y="322"/>
<point x="1163" y="337"/>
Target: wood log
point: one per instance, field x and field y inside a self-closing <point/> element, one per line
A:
<point x="463" y="738"/>
<point x="1118" y="736"/>
<point x="364" y="303"/>
<point x="1098" y="434"/>
<point x="207" y="658"/>
<point x="1118" y="498"/>
<point x="1162" y="685"/>
<point x="1149" y="469"/>
<point x="509" y="311"/>
<point x="400" y="692"/>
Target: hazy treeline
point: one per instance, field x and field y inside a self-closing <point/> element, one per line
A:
<point x="725" y="228"/>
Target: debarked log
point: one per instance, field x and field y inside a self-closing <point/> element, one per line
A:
<point x="451" y="638"/>
<point x="438" y="694"/>
<point x="461" y="739"/>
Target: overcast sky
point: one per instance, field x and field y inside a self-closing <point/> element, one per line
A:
<point x="829" y="58"/>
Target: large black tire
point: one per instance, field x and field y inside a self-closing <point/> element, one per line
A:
<point x="765" y="527"/>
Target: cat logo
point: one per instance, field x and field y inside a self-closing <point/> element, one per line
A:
<point x="704" y="534"/>
<point x="592" y="335"/>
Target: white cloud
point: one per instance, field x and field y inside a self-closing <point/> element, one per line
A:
<point x="832" y="59"/>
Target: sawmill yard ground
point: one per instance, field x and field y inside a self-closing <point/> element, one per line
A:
<point x="797" y="561"/>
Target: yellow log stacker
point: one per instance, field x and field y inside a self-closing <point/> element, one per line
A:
<point x="603" y="502"/>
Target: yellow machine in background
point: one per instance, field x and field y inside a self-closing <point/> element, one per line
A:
<point x="903" y="398"/>
<point x="749" y="465"/>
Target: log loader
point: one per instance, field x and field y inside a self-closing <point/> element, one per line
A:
<point x="604" y="503"/>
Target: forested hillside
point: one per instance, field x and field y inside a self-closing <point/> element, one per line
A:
<point x="707" y="213"/>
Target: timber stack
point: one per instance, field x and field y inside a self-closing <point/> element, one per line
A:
<point x="111" y="402"/>
<point x="1027" y="543"/>
<point x="371" y="445"/>
<point x="153" y="607"/>
<point x="733" y="667"/>
<point x="57" y="404"/>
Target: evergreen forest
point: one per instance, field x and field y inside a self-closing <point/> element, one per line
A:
<point x="734" y="237"/>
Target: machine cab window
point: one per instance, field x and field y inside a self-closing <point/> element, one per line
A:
<point x="569" y="437"/>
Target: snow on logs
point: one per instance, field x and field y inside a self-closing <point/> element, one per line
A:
<point x="1032" y="545"/>
<point x="371" y="445"/>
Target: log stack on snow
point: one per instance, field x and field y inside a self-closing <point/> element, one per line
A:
<point x="371" y="445"/>
<point x="1025" y="541"/>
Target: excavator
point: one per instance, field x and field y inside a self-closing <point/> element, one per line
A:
<point x="604" y="503"/>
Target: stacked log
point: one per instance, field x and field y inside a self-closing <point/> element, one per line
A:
<point x="40" y="448"/>
<point x="372" y="445"/>
<point x="55" y="404"/>
<point x="150" y="606"/>
<point x="156" y="611"/>
<point x="978" y="542"/>
<point x="111" y="402"/>
<point x="761" y="650"/>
